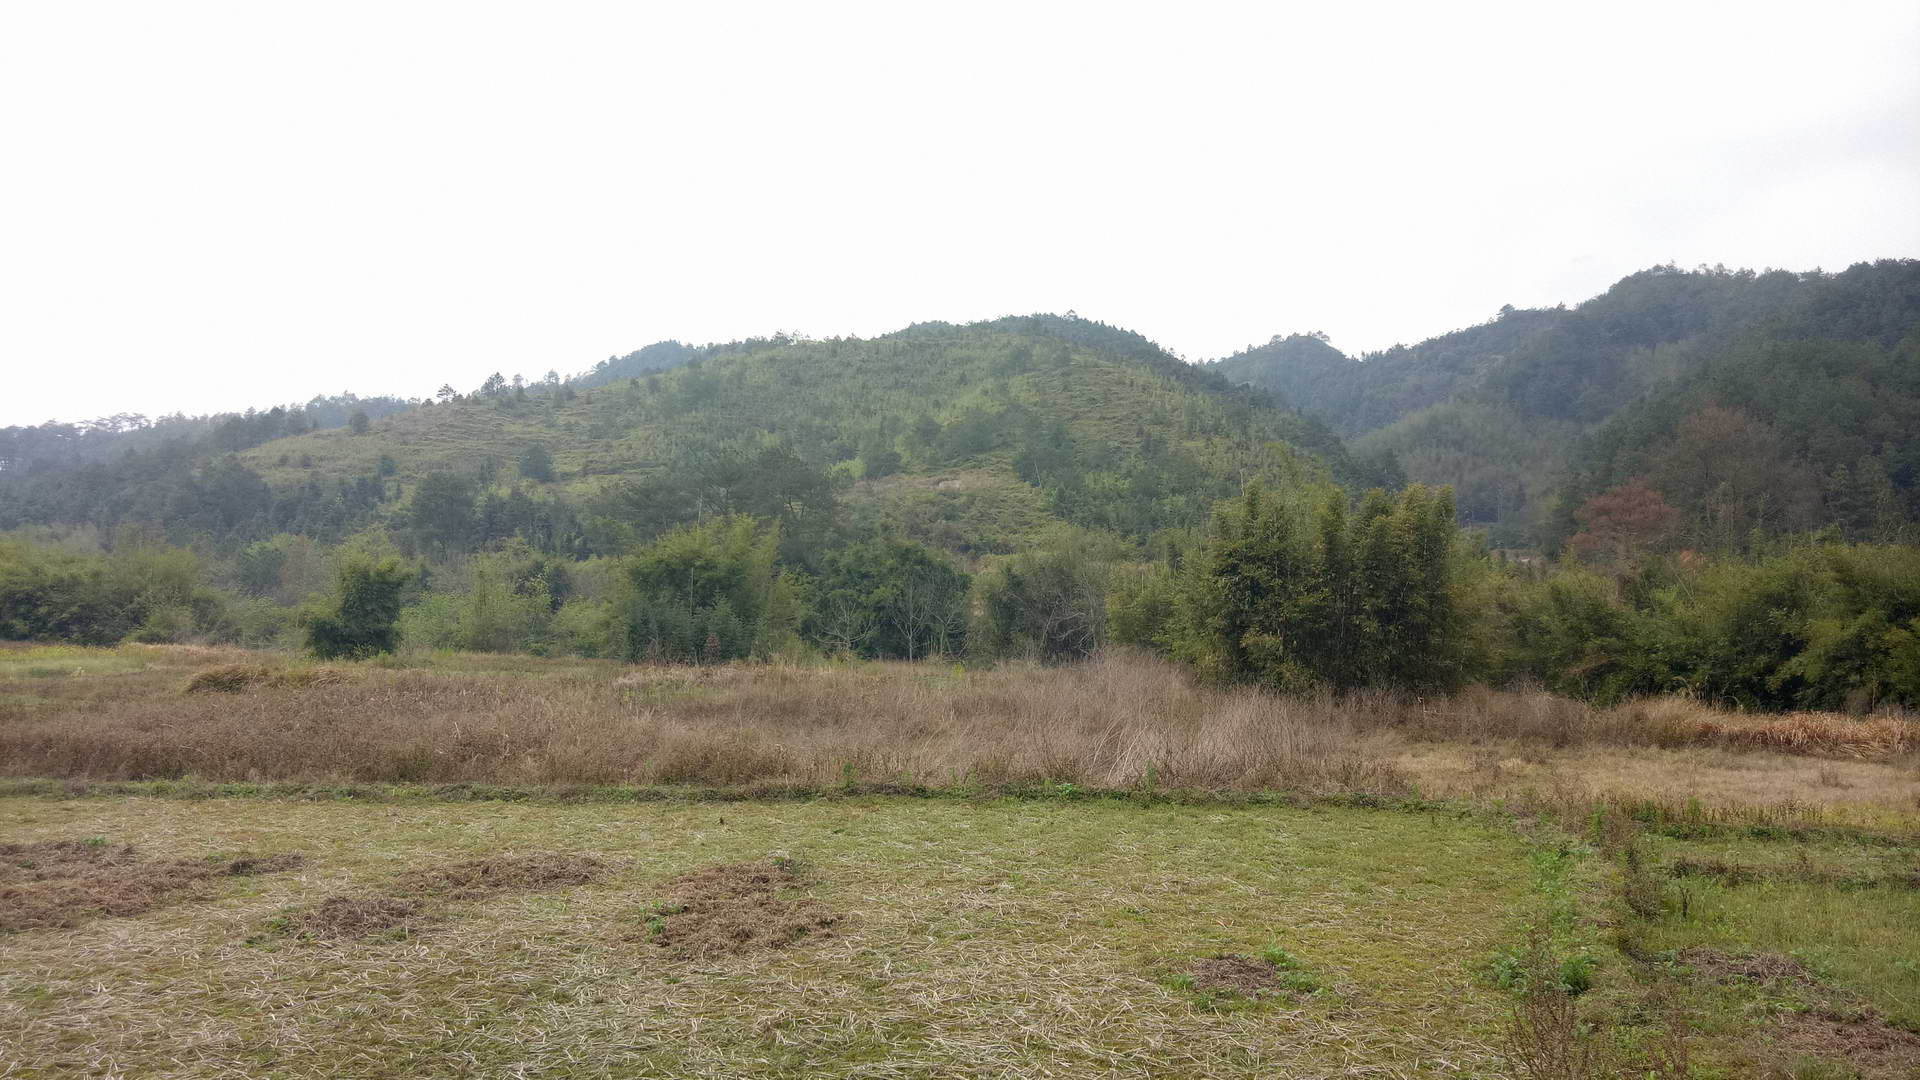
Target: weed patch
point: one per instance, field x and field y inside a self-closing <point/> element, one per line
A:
<point x="1727" y="872"/>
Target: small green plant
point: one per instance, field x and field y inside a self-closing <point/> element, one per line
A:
<point x="657" y="914"/>
<point x="1576" y="974"/>
<point x="1294" y="976"/>
<point x="1546" y="1039"/>
<point x="1518" y="968"/>
<point x="1507" y="969"/>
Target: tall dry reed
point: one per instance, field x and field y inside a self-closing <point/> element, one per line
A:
<point x="1122" y="721"/>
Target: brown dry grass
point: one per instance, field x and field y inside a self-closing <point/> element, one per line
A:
<point x="1870" y="1047"/>
<point x="236" y="678"/>
<point x="479" y="878"/>
<point x="357" y="916"/>
<point x="1234" y="973"/>
<point x="404" y="905"/>
<point x="736" y="908"/>
<point x="63" y="883"/>
<point x="1121" y="722"/>
<point x="1721" y="966"/>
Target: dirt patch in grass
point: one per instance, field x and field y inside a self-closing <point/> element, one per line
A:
<point x="736" y="908"/>
<point x="356" y="916"/>
<point x="480" y="878"/>
<point x="1235" y="974"/>
<point x="1868" y="1044"/>
<point x="1762" y="967"/>
<point x="62" y="883"/>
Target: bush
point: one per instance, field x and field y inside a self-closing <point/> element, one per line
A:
<point x="152" y="593"/>
<point x="362" y="617"/>
<point x="708" y="593"/>
<point x="1295" y="598"/>
<point x="889" y="598"/>
<point x="1830" y="626"/>
<point x="1050" y="605"/>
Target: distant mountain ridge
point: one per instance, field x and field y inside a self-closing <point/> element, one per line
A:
<point x="971" y="437"/>
<point x="1721" y="405"/>
<point x="1535" y="411"/>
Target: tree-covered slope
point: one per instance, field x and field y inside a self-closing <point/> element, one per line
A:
<point x="1533" y="412"/>
<point x="971" y="437"/>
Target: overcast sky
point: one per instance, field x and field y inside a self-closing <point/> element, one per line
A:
<point x="204" y="207"/>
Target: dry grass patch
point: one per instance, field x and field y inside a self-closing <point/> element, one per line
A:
<point x="63" y="883"/>
<point x="405" y="904"/>
<point x="236" y="678"/>
<point x="736" y="908"/>
<point x="1121" y="722"/>
<point x="1870" y="1047"/>
<point x="477" y="879"/>
<point x="1235" y="974"/>
<point x="44" y="859"/>
<point x="1762" y="967"/>
<point x="356" y="916"/>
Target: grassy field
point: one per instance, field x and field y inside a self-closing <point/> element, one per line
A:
<point x="466" y="865"/>
<point x="1001" y="938"/>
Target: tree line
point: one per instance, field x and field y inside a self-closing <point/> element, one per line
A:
<point x="1295" y="590"/>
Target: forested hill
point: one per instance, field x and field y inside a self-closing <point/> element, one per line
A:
<point x="1723" y="404"/>
<point x="972" y="438"/>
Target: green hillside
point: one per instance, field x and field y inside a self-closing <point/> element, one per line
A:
<point x="1536" y="411"/>
<point x="974" y="438"/>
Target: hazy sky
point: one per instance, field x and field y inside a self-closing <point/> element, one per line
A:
<point x="208" y="206"/>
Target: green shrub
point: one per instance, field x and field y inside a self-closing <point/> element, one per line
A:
<point x="1296" y="594"/>
<point x="361" y="619"/>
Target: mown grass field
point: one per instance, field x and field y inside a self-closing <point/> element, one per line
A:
<point x="1015" y="872"/>
<point x="1011" y="937"/>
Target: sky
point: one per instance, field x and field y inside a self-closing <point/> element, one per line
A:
<point x="210" y="206"/>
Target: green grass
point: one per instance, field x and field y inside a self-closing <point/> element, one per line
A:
<point x="1859" y="938"/>
<point x="33" y="662"/>
<point x="1002" y="938"/>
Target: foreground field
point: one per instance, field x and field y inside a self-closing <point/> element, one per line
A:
<point x="1007" y="938"/>
<point x="215" y="863"/>
<point x="924" y="937"/>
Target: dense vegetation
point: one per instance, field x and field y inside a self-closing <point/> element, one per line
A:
<point x="1730" y="515"/>
<point x="1752" y="403"/>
